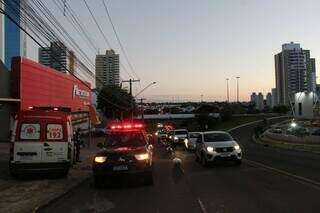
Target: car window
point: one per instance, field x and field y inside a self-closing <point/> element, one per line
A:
<point x="181" y="132"/>
<point x="217" y="137"/>
<point x="125" y="139"/>
<point x="54" y="132"/>
<point x="30" y="131"/>
<point x="194" y="135"/>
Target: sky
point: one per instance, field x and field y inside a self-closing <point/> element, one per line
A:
<point x="190" y="47"/>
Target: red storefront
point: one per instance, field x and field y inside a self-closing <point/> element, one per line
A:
<point x="37" y="85"/>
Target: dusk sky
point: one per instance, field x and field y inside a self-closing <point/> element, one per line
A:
<point x="189" y="47"/>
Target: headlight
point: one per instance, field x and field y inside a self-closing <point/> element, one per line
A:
<point x="210" y="149"/>
<point x="100" y="159"/>
<point x="186" y="140"/>
<point x="144" y="156"/>
<point x="176" y="138"/>
<point x="170" y="136"/>
<point x="236" y="147"/>
<point x="156" y="133"/>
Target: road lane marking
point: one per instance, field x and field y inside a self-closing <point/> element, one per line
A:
<point x="203" y="209"/>
<point x="299" y="179"/>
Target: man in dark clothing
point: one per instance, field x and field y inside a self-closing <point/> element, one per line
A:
<point x="77" y="144"/>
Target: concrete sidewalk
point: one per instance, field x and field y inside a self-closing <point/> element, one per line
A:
<point x="26" y="194"/>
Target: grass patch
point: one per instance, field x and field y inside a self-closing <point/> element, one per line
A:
<point x="315" y="148"/>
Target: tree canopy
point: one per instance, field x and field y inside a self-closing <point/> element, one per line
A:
<point x="115" y="102"/>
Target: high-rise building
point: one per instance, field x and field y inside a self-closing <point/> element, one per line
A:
<point x="13" y="40"/>
<point x="294" y="70"/>
<point x="260" y="105"/>
<point x="274" y="97"/>
<point x="58" y="57"/>
<point x="312" y="78"/>
<point x="269" y="100"/>
<point x="107" y="69"/>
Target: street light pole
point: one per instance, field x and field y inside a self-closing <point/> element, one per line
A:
<point x="227" y="90"/>
<point x="141" y="91"/>
<point x="237" y="89"/>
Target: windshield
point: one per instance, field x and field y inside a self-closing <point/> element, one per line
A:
<point x="181" y="132"/>
<point x="217" y="137"/>
<point x="194" y="135"/>
<point x="125" y="139"/>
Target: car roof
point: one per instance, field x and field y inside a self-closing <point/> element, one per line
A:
<point x="181" y="130"/>
<point x="195" y="132"/>
<point x="210" y="132"/>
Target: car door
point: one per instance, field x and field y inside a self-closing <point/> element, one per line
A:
<point x="199" y="144"/>
<point x="55" y="146"/>
<point x="27" y="145"/>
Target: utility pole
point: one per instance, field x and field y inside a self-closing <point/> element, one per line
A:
<point x="227" y="79"/>
<point x="130" y="81"/>
<point x="237" y="89"/>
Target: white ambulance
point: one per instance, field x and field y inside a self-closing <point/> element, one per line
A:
<point x="41" y="142"/>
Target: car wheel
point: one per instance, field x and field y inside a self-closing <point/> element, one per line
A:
<point x="98" y="181"/>
<point x="148" y="178"/>
<point x="204" y="161"/>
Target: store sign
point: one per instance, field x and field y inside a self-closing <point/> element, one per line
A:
<point x="79" y="92"/>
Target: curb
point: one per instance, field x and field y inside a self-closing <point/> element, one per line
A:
<point x="40" y="208"/>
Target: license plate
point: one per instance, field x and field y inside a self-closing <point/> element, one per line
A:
<point x="225" y="154"/>
<point x="120" y="168"/>
<point x="26" y="157"/>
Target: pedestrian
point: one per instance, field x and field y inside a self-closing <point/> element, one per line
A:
<point x="77" y="144"/>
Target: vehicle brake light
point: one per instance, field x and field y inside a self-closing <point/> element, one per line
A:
<point x="127" y="126"/>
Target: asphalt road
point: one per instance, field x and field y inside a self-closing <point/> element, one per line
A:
<point x="269" y="180"/>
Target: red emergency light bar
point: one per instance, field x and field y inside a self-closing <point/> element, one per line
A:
<point x="126" y="126"/>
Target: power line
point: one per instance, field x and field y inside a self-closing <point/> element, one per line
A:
<point x="118" y="39"/>
<point x="103" y="35"/>
<point x="38" y="43"/>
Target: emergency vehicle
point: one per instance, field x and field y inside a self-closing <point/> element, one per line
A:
<point x="41" y="141"/>
<point x="126" y="151"/>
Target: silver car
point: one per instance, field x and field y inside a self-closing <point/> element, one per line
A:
<point x="217" y="146"/>
<point x="191" y="141"/>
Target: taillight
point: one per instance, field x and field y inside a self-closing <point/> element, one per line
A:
<point x="11" y="150"/>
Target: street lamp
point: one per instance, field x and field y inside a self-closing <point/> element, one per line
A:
<point x="227" y="79"/>
<point x="238" y="89"/>
<point x="141" y="91"/>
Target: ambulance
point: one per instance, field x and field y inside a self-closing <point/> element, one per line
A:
<point x="41" y="142"/>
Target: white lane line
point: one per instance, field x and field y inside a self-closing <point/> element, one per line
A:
<point x="254" y="122"/>
<point x="300" y="179"/>
<point x="203" y="209"/>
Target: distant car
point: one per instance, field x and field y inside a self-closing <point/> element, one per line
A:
<point x="179" y="135"/>
<point x="316" y="132"/>
<point x="215" y="146"/>
<point x="126" y="151"/>
<point x="161" y="134"/>
<point x="191" y="142"/>
<point x="277" y="130"/>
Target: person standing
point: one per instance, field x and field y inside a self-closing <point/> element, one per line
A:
<point x="77" y="140"/>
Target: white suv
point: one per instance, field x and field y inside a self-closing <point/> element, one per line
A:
<point x="217" y="145"/>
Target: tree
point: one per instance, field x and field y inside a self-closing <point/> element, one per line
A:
<point x="116" y="102"/>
